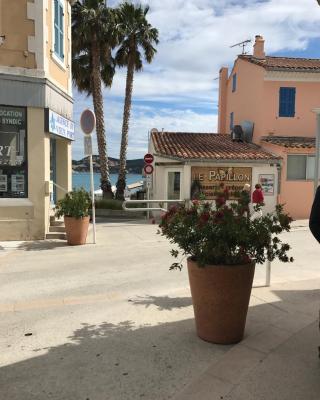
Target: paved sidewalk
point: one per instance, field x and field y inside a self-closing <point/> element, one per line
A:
<point x="110" y="322"/>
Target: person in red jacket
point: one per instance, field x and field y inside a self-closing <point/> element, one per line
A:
<point x="257" y="197"/>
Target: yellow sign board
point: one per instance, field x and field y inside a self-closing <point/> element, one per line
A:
<point x="212" y="178"/>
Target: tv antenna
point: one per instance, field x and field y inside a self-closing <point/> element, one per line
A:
<point x="243" y="45"/>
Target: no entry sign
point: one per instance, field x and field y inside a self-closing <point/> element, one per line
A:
<point x="148" y="169"/>
<point x="87" y="121"/>
<point x="148" y="158"/>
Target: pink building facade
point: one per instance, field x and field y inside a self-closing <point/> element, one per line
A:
<point x="276" y="94"/>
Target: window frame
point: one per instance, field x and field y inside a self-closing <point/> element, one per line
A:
<point x="167" y="170"/>
<point x="26" y="167"/>
<point x="234" y="82"/>
<point x="56" y="56"/>
<point x="287" y="106"/>
<point x="306" y="179"/>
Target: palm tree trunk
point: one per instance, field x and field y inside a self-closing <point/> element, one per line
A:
<point x="98" y="109"/>
<point x="121" y="183"/>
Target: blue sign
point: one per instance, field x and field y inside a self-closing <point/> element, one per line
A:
<point x="58" y="125"/>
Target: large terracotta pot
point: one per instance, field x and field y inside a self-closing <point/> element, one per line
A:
<point x="76" y="230"/>
<point x="220" y="297"/>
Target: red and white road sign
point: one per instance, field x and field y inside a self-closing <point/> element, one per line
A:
<point x="148" y="158"/>
<point x="148" y="169"/>
<point x="87" y="121"/>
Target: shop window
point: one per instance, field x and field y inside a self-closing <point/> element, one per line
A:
<point x="234" y="82"/>
<point x="287" y="100"/>
<point x="58" y="29"/>
<point x="300" y="167"/>
<point x="174" y="185"/>
<point x="13" y="152"/>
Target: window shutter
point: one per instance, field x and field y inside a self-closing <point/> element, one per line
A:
<point x="287" y="99"/>
<point x="61" y="31"/>
<point x="291" y="101"/>
<point x="56" y="27"/>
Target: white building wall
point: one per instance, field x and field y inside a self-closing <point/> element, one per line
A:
<point x="159" y="189"/>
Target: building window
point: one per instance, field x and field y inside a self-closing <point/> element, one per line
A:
<point x="287" y="100"/>
<point x="300" y="167"/>
<point x="13" y="152"/>
<point x="231" y="121"/>
<point x="174" y="185"/>
<point x="58" y="28"/>
<point x="234" y="82"/>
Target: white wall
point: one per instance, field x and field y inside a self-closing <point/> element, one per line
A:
<point x="159" y="189"/>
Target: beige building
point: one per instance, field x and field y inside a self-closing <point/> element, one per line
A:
<point x="36" y="128"/>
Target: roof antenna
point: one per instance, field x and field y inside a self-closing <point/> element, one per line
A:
<point x="243" y="45"/>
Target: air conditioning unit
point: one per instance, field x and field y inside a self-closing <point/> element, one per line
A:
<point x="237" y="134"/>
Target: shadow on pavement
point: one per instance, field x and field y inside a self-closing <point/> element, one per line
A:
<point x="125" y="362"/>
<point x="162" y="303"/>
<point x="39" y="245"/>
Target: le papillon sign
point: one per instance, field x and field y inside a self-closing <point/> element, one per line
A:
<point x="211" y="179"/>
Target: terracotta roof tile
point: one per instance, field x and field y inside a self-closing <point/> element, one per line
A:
<point x="285" y="63"/>
<point x="185" y="145"/>
<point x="294" y="142"/>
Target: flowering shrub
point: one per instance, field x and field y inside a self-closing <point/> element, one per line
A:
<point x="223" y="234"/>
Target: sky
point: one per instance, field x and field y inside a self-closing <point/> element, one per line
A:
<point x="179" y="90"/>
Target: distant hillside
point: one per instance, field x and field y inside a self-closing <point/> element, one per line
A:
<point x="133" y="166"/>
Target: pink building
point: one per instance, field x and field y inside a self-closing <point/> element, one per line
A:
<point x="277" y="94"/>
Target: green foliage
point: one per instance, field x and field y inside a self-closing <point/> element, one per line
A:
<point x="134" y="34"/>
<point x="109" y="204"/>
<point x="223" y="234"/>
<point x="92" y="21"/>
<point x="75" y="204"/>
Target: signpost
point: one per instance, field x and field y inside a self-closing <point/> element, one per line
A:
<point x="148" y="170"/>
<point x="88" y="124"/>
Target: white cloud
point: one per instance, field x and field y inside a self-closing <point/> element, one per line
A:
<point x="195" y="38"/>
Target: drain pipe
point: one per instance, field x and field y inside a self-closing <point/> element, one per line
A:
<point x="317" y="152"/>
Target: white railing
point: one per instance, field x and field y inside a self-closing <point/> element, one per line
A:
<point x="160" y="202"/>
<point x="59" y="187"/>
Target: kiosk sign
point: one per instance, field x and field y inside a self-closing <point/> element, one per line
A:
<point x="212" y="178"/>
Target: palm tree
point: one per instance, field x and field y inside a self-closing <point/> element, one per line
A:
<point x="92" y="40"/>
<point x="136" y="35"/>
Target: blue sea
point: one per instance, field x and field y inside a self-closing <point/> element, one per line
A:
<point x="82" y="179"/>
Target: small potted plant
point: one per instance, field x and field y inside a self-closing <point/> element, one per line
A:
<point x="74" y="207"/>
<point x="223" y="245"/>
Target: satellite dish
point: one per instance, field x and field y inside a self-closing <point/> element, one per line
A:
<point x="247" y="127"/>
<point x="154" y="130"/>
<point x="237" y="134"/>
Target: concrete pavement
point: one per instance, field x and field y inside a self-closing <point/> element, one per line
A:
<point x="109" y="321"/>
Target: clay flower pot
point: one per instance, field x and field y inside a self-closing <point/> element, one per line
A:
<point x="220" y="296"/>
<point x="76" y="230"/>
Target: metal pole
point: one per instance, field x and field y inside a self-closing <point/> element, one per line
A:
<point x="317" y="155"/>
<point x="93" y="203"/>
<point x="148" y="198"/>
<point x="268" y="273"/>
